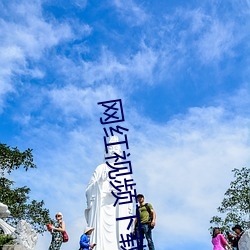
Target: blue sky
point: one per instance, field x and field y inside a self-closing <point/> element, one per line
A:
<point x="181" y="69"/>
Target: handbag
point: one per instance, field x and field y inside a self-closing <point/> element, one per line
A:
<point x="65" y="236"/>
<point x="49" y="227"/>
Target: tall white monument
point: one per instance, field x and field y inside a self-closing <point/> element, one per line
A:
<point x="100" y="212"/>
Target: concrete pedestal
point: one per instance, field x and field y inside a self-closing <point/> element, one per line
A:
<point x="244" y="242"/>
<point x="13" y="247"/>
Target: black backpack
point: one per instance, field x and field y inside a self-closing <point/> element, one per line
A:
<point x="150" y="219"/>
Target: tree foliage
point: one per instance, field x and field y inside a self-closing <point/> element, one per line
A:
<point x="17" y="199"/>
<point x="11" y="159"/>
<point x="235" y="207"/>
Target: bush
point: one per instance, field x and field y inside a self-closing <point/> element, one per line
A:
<point x="6" y="240"/>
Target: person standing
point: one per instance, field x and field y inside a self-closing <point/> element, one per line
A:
<point x="218" y="240"/>
<point x="56" y="231"/>
<point x="85" y="238"/>
<point x="239" y="231"/>
<point x="145" y="212"/>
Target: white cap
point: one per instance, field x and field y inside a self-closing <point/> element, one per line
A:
<point x="59" y="213"/>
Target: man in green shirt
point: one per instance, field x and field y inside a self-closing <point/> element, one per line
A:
<point x="146" y="212"/>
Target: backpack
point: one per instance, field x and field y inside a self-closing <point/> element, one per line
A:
<point x="150" y="219"/>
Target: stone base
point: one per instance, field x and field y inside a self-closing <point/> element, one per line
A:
<point x="244" y="242"/>
<point x="13" y="247"/>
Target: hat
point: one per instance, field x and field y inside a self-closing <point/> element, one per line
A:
<point x="87" y="229"/>
<point x="140" y="195"/>
<point x="237" y="227"/>
<point x="59" y="213"/>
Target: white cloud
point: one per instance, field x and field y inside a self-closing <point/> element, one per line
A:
<point x="81" y="102"/>
<point x="25" y="35"/>
<point x="240" y="100"/>
<point x="143" y="63"/>
<point x="217" y="42"/>
<point x="198" y="33"/>
<point x="31" y="33"/>
<point x="123" y="70"/>
<point x="105" y="69"/>
<point x="10" y="58"/>
<point x="131" y="12"/>
<point x="198" y="19"/>
<point x="80" y="3"/>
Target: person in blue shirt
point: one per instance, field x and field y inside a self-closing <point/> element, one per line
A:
<point x="84" y="240"/>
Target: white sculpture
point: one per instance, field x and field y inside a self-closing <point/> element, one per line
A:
<point x="100" y="212"/>
<point x="244" y="242"/>
<point x="25" y="235"/>
<point x="4" y="212"/>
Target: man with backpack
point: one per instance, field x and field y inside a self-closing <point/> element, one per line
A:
<point x="239" y="232"/>
<point x="147" y="221"/>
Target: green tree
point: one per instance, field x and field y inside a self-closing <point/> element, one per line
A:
<point x="235" y="207"/>
<point x="17" y="199"/>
